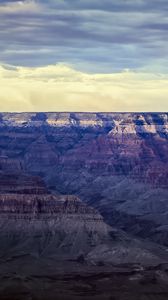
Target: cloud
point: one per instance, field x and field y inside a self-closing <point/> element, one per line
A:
<point x="95" y="36"/>
<point x="62" y="88"/>
<point x="13" y="7"/>
<point x="91" y="43"/>
<point x="110" y="5"/>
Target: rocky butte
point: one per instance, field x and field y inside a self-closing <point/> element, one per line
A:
<point x="37" y="222"/>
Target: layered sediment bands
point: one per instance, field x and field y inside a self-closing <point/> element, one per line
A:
<point x="117" y="162"/>
<point x="47" y="225"/>
<point x="130" y="144"/>
<point x="56" y="245"/>
<point x="40" y="155"/>
<point x="56" y="217"/>
<point x="10" y="165"/>
<point x="38" y="204"/>
<point x="20" y="183"/>
<point x="34" y="222"/>
<point x="37" y="223"/>
<point x="68" y="229"/>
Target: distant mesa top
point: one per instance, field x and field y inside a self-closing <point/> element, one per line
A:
<point x="128" y="122"/>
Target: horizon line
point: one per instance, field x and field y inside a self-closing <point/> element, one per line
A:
<point x="87" y="112"/>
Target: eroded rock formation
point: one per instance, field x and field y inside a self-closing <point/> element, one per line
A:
<point x="117" y="162"/>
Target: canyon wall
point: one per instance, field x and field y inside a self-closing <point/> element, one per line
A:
<point x="116" y="162"/>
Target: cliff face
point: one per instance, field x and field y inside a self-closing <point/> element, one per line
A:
<point x="117" y="162"/>
<point x="112" y="143"/>
<point x="123" y="122"/>
<point x="34" y="222"/>
<point x="37" y="223"/>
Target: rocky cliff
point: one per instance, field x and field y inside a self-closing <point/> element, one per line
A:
<point x="38" y="223"/>
<point x="117" y="162"/>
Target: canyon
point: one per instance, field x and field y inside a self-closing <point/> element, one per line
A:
<point x="115" y="162"/>
<point x="84" y="193"/>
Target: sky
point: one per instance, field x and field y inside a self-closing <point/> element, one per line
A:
<point x="84" y="55"/>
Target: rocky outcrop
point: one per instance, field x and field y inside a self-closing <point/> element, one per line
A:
<point x="64" y="229"/>
<point x="21" y="183"/>
<point x="34" y="221"/>
<point x="38" y="223"/>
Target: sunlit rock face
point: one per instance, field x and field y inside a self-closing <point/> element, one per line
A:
<point x="120" y="122"/>
<point x="117" y="162"/>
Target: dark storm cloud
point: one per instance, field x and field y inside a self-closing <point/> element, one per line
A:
<point x="96" y="35"/>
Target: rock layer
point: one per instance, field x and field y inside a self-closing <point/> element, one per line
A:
<point x="117" y="162"/>
<point x="38" y="223"/>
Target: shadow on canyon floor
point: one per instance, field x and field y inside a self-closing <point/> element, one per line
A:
<point x="37" y="279"/>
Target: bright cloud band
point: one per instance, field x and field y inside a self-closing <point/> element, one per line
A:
<point x="62" y="88"/>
